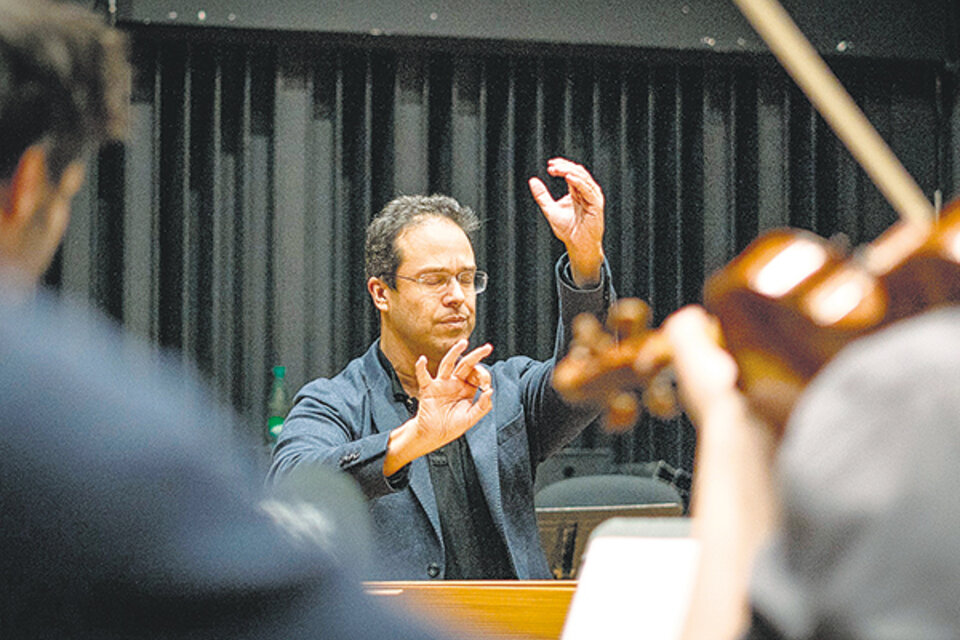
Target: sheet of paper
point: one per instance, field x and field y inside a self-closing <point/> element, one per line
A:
<point x="633" y="587"/>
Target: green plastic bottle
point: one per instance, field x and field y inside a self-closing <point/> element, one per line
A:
<point x="278" y="405"/>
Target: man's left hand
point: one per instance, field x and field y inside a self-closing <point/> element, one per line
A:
<point x="576" y="218"/>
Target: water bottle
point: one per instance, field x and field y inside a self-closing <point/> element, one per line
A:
<point x="277" y="405"/>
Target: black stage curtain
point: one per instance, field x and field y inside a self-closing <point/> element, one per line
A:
<point x="230" y="226"/>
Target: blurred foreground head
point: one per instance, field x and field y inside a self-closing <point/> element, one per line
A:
<point x="64" y="91"/>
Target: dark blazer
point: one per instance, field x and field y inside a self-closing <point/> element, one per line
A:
<point x="346" y="421"/>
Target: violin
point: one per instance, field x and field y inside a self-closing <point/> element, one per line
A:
<point x="791" y="300"/>
<point x="785" y="306"/>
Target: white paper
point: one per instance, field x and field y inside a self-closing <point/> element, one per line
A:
<point x="633" y="587"/>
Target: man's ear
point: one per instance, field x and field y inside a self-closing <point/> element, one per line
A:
<point x="378" y="293"/>
<point x="26" y="189"/>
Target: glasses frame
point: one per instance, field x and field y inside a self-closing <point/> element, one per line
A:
<point x="481" y="278"/>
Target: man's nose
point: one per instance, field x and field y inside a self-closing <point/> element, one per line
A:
<point x="455" y="293"/>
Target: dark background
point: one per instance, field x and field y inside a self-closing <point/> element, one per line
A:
<point x="266" y="135"/>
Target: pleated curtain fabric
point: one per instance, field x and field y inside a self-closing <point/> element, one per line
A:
<point x="230" y="225"/>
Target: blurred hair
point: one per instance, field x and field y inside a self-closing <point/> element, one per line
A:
<point x="382" y="256"/>
<point x="64" y="83"/>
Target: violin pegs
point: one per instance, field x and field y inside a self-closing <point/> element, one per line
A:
<point x="660" y="395"/>
<point x="629" y="318"/>
<point x="588" y="333"/>
<point x="579" y="351"/>
<point x="622" y="411"/>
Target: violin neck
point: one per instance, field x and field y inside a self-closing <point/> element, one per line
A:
<point x="894" y="245"/>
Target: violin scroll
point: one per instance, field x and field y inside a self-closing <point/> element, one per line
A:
<point x="620" y="367"/>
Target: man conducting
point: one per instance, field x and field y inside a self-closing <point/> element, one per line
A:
<point x="444" y="448"/>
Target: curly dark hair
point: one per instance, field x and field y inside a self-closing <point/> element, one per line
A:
<point x="382" y="256"/>
<point x="64" y="82"/>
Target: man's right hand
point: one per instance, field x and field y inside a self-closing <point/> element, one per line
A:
<point x="446" y="406"/>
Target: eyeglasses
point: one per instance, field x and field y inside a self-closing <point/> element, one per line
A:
<point x="438" y="281"/>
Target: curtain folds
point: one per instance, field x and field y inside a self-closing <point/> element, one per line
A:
<point x="230" y="225"/>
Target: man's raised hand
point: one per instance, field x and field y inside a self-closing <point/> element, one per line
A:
<point x="576" y="219"/>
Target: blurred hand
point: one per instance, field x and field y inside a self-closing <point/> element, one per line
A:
<point x="706" y="374"/>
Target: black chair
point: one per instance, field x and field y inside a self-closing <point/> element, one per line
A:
<point x="568" y="510"/>
<point x="606" y="490"/>
<point x="575" y="462"/>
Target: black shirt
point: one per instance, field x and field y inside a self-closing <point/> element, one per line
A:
<point x="473" y="548"/>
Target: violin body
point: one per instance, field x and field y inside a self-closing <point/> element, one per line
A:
<point x="791" y="301"/>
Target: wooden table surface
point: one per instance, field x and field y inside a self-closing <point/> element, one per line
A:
<point x="485" y="609"/>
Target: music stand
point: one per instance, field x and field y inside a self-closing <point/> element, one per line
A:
<point x="564" y="531"/>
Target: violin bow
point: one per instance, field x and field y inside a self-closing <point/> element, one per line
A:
<point x="824" y="90"/>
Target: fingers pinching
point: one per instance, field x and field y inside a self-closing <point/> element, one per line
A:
<point x="479" y="377"/>
<point x="449" y="361"/>
<point x="579" y="180"/>
<point x="471" y="360"/>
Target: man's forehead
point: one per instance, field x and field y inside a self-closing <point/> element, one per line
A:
<point x="435" y="242"/>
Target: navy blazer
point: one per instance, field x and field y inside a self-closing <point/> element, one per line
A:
<point x="346" y="421"/>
